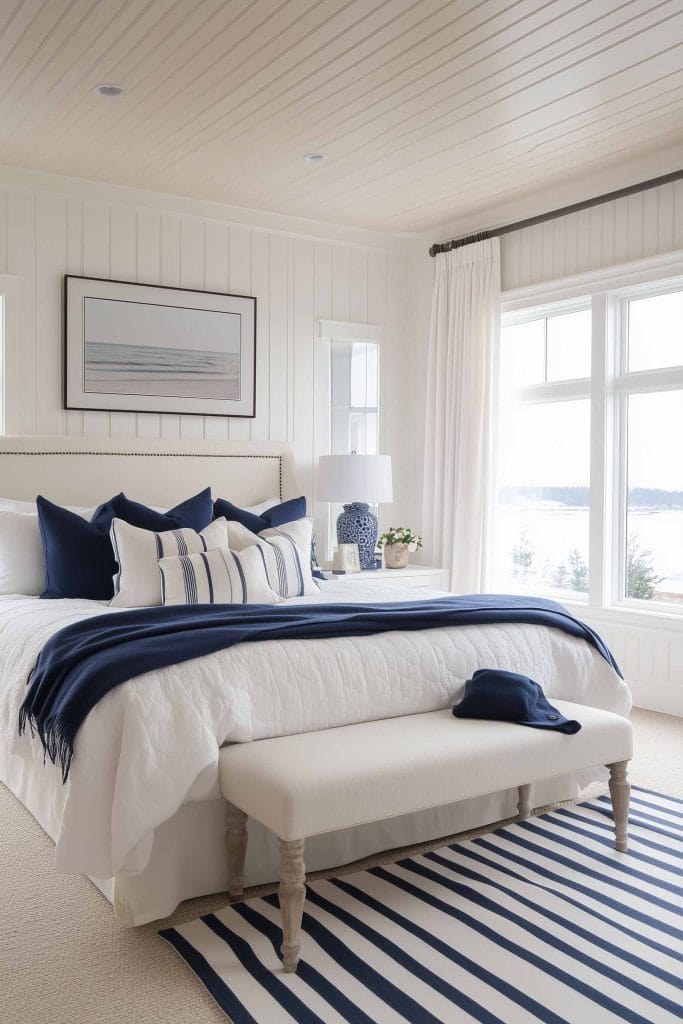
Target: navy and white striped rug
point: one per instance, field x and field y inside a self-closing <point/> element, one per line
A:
<point x="539" y="921"/>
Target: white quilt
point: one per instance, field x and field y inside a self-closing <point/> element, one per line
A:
<point x="152" y="744"/>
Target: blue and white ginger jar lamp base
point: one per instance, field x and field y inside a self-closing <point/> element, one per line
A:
<point x="358" y="525"/>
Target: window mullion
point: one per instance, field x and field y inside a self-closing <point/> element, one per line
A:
<point x="600" y="511"/>
<point x="645" y="381"/>
<point x="618" y="449"/>
<point x="556" y="391"/>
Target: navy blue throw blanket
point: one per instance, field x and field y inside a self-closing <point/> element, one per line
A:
<point x="84" y="661"/>
<point x="503" y="696"/>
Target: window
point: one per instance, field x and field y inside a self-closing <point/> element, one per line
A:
<point x="347" y="371"/>
<point x="541" y="524"/>
<point x="649" y="382"/>
<point x="654" y="505"/>
<point x="550" y="348"/>
<point x="590" y="465"/>
<point x="354" y="403"/>
<point x="354" y="390"/>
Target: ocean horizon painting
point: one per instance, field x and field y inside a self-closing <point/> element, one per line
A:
<point x="138" y="352"/>
<point x="155" y="370"/>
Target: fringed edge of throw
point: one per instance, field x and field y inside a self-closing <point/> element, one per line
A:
<point x="56" y="745"/>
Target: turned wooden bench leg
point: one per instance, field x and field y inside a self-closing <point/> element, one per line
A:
<point x="524" y="801"/>
<point x="236" y="842"/>
<point x="620" y="792"/>
<point x="292" y="893"/>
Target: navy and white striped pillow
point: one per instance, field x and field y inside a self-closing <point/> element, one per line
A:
<point x="137" y="582"/>
<point x="220" y="576"/>
<point x="285" y="553"/>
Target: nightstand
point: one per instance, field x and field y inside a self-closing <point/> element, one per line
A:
<point x="413" y="576"/>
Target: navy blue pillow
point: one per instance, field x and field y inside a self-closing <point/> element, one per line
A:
<point x="79" y="558"/>
<point x="195" y="514"/>
<point x="285" y="512"/>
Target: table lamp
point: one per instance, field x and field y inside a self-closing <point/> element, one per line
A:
<point x="357" y="480"/>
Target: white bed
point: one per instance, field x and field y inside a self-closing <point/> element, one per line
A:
<point x="140" y="813"/>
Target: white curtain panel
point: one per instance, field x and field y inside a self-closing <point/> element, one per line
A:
<point x="458" y="464"/>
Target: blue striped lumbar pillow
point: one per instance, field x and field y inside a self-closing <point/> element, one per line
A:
<point x="285" y="552"/>
<point x="137" y="582"/>
<point x="220" y="576"/>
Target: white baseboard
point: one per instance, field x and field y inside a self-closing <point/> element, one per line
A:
<point x="653" y="696"/>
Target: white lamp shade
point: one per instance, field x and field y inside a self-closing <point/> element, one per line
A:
<point x="347" y="478"/>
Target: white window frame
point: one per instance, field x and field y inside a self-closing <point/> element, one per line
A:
<point x="9" y="290"/>
<point x="608" y="292"/>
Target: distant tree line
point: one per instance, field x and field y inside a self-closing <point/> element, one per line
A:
<point x="579" y="497"/>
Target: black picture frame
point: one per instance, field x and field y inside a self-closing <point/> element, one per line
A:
<point x="106" y="367"/>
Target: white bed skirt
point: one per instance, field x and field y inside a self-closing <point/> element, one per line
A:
<point x="188" y="856"/>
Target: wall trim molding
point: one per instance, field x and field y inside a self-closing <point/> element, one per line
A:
<point x="612" y="278"/>
<point x="259" y="220"/>
<point x="343" y="330"/>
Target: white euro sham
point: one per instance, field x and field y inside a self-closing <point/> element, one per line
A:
<point x="22" y="559"/>
<point x="137" y="583"/>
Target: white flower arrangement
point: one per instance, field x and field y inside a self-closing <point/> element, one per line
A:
<point x="400" y="535"/>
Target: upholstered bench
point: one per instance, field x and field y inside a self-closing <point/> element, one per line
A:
<point x="316" y="782"/>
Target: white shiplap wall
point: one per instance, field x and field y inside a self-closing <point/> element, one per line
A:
<point x="645" y="224"/>
<point x="651" y="659"/>
<point x="48" y="231"/>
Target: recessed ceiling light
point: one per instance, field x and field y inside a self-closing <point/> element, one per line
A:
<point x="110" y="91"/>
<point x="315" y="158"/>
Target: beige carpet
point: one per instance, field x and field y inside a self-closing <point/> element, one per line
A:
<point x="64" y="959"/>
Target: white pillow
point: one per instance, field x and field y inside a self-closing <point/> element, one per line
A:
<point x="22" y="559"/>
<point x="286" y="552"/>
<point x="137" y="583"/>
<point x="262" y="506"/>
<point x="10" y="505"/>
<point x="220" y="576"/>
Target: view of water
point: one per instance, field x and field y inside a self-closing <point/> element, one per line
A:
<point x="154" y="370"/>
<point x="555" y="530"/>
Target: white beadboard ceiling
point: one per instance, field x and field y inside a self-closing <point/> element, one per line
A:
<point x="427" y="110"/>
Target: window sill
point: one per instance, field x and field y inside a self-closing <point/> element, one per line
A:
<point x="622" y="615"/>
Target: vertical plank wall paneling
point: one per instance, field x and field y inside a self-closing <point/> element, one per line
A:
<point x="73" y="419"/>
<point x="96" y="263"/>
<point x="296" y="280"/>
<point x="21" y="262"/>
<point x="239" y="281"/>
<point x="645" y="224"/>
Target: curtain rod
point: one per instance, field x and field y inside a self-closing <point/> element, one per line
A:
<point x="505" y="229"/>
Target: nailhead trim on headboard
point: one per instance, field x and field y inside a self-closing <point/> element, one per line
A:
<point x="160" y="455"/>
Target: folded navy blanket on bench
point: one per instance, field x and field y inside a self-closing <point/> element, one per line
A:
<point x="501" y="696"/>
<point x="84" y="661"/>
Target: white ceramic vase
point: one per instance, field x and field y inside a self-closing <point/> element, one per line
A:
<point x="396" y="556"/>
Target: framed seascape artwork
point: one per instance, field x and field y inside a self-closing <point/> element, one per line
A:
<point x="148" y="348"/>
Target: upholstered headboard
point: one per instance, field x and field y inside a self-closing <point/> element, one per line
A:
<point x="86" y="471"/>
